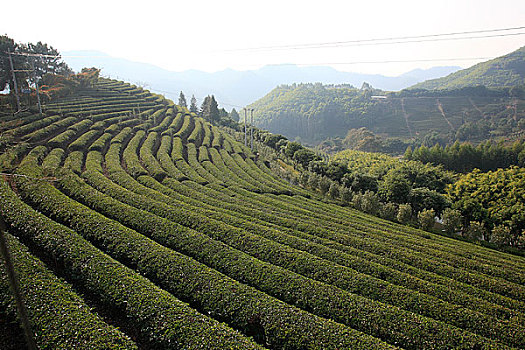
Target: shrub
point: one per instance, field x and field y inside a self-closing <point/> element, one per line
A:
<point x="476" y="230"/>
<point x="501" y="235"/>
<point x="370" y="202"/>
<point x="452" y="220"/>
<point x="426" y="219"/>
<point x="404" y="213"/>
<point x="324" y="185"/>
<point x="333" y="191"/>
<point x="388" y="211"/>
<point x="346" y="195"/>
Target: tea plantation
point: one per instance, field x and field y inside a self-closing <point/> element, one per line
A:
<point x="135" y="224"/>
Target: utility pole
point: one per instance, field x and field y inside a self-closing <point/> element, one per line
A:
<point x="251" y="129"/>
<point x="14" y="80"/>
<point x="245" y="140"/>
<point x="37" y="91"/>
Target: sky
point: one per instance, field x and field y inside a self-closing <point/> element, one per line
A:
<point x="216" y="35"/>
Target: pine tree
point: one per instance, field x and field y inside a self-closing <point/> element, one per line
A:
<point x="182" y="100"/>
<point x="193" y="104"/>
<point x="209" y="109"/>
<point x="234" y="115"/>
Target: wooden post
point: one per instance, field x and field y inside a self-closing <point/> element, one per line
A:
<point x="14" y="81"/>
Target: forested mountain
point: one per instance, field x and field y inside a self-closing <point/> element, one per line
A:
<point x="508" y="70"/>
<point x="315" y="112"/>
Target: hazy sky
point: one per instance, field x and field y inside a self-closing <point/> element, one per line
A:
<point x="210" y="35"/>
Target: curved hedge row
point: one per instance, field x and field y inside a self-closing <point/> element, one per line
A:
<point x="208" y="135"/>
<point x="148" y="159"/>
<point x="163" y="155"/>
<point x="197" y="133"/>
<point x="59" y="318"/>
<point x="270" y="321"/>
<point x="130" y="154"/>
<point x="85" y="140"/>
<point x="53" y="160"/>
<point x="35" y="125"/>
<point x="209" y="222"/>
<point x="186" y="127"/>
<point x="160" y="318"/>
<point x="49" y="130"/>
<point x="294" y="288"/>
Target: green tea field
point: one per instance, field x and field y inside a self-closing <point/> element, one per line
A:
<point x="134" y="224"/>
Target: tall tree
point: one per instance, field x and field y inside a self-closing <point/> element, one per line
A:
<point x="182" y="100"/>
<point x="210" y="110"/>
<point x="234" y="115"/>
<point x="193" y="104"/>
<point x="46" y="59"/>
<point x="6" y="45"/>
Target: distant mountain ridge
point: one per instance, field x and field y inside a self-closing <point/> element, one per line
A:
<point x="238" y="88"/>
<point x="504" y="71"/>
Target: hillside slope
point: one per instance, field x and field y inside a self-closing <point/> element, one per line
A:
<point x="508" y="70"/>
<point x="168" y="233"/>
<point x="315" y="112"/>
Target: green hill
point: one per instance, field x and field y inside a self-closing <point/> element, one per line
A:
<point x="315" y="112"/>
<point x="135" y="224"/>
<point x="508" y="70"/>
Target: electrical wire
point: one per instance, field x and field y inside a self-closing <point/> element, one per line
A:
<point x="385" y="41"/>
<point x="388" y="61"/>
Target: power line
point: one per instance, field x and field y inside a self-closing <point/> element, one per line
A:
<point x="386" y="61"/>
<point x="386" y="41"/>
<point x="28" y="54"/>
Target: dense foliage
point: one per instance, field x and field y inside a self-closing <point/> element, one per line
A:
<point x="496" y="199"/>
<point x="379" y="177"/>
<point x="466" y="157"/>
<point x="410" y="191"/>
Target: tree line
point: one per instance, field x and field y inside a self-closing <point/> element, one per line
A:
<point x="210" y="111"/>
<point x="465" y="157"/>
<point x="31" y="61"/>
<point x="485" y="207"/>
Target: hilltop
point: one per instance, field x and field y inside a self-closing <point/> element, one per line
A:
<point x="508" y="70"/>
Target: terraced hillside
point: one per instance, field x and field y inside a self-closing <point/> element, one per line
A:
<point x="134" y="224"/>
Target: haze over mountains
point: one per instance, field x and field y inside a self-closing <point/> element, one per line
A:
<point x="482" y="102"/>
<point x="238" y="88"/>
